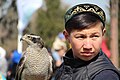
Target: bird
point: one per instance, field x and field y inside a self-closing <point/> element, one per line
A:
<point x="36" y="62"/>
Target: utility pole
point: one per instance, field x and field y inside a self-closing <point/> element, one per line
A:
<point x="114" y="32"/>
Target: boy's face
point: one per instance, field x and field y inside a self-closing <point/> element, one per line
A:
<point x="86" y="43"/>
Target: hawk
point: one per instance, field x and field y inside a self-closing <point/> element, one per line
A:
<point x="36" y="63"/>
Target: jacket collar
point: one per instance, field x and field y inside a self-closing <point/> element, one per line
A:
<point x="71" y="61"/>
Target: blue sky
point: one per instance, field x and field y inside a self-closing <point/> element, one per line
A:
<point x="104" y="4"/>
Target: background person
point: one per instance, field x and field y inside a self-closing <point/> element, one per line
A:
<point x="3" y="62"/>
<point x="13" y="62"/>
<point x="104" y="47"/>
<point x="58" y="49"/>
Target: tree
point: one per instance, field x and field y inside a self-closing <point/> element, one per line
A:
<point x="45" y="22"/>
<point x="8" y="19"/>
<point x="119" y="29"/>
<point x="8" y="23"/>
<point x="114" y="32"/>
<point x="50" y="21"/>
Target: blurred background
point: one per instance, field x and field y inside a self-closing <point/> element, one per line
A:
<point x="48" y="20"/>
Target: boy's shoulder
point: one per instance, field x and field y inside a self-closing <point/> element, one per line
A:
<point x="107" y="75"/>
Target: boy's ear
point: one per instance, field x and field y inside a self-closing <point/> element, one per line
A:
<point x="104" y="31"/>
<point x="66" y="34"/>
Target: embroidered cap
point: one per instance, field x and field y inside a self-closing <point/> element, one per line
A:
<point x="85" y="8"/>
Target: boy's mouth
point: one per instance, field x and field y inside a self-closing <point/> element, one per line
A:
<point x="87" y="53"/>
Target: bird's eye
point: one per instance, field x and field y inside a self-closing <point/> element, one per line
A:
<point x="28" y="36"/>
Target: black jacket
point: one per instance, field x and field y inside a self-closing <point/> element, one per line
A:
<point x="74" y="69"/>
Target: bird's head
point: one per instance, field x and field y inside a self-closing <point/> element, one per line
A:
<point x="33" y="39"/>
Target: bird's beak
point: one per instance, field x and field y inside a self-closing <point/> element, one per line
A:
<point x="21" y="39"/>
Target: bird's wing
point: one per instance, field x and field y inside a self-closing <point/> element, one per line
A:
<point x="20" y="68"/>
<point x="50" y="70"/>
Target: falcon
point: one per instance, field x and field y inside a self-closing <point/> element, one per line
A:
<point x="36" y="62"/>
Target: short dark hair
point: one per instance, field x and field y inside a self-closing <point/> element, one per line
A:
<point x="81" y="21"/>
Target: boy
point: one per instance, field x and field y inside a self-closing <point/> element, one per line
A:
<point x="84" y="30"/>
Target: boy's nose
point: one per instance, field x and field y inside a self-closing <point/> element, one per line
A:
<point x="87" y="44"/>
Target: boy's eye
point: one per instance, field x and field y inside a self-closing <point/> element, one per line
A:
<point x="94" y="36"/>
<point x="81" y="36"/>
